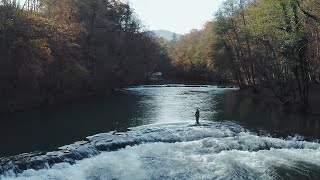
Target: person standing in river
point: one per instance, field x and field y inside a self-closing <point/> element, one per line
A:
<point x="197" y="114"/>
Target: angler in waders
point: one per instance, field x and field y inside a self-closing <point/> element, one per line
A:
<point x="197" y="114"/>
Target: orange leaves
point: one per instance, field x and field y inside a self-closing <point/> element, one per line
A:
<point x="43" y="51"/>
<point x="79" y="70"/>
<point x="51" y="29"/>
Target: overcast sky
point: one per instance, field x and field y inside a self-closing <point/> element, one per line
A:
<point x="179" y="16"/>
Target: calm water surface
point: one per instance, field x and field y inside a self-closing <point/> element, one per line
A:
<point x="267" y="142"/>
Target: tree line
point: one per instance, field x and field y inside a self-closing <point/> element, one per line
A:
<point x="53" y="51"/>
<point x="191" y="55"/>
<point x="272" y="44"/>
<point x="57" y="50"/>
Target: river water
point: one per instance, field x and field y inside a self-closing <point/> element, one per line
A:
<point x="149" y="132"/>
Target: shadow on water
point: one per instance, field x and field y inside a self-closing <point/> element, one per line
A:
<point x="50" y="127"/>
<point x="171" y="146"/>
<point x="266" y="116"/>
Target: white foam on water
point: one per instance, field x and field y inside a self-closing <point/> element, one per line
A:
<point x="211" y="151"/>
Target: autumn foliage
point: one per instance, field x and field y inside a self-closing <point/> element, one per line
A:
<point x="53" y="51"/>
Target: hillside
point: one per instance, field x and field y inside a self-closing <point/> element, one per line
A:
<point x="168" y="35"/>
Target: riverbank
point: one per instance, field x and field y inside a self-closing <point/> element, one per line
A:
<point x="161" y="80"/>
<point x="268" y="96"/>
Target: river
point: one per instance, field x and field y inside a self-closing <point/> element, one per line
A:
<point x="149" y="132"/>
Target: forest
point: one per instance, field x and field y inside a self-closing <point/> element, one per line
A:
<point x="269" y="44"/>
<point x="56" y="51"/>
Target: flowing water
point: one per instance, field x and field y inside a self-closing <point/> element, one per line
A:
<point x="238" y="138"/>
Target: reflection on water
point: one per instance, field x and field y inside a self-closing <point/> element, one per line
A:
<point x="261" y="115"/>
<point x="51" y="127"/>
<point x="47" y="128"/>
<point x="172" y="104"/>
<point x="225" y="145"/>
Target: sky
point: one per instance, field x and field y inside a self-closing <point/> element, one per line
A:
<point x="179" y="16"/>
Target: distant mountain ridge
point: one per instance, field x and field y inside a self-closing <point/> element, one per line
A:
<point x="167" y="35"/>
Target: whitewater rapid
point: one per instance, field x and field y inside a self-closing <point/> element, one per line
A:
<point x="212" y="150"/>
